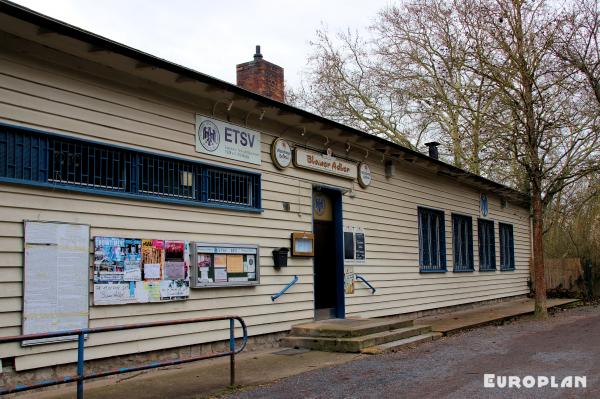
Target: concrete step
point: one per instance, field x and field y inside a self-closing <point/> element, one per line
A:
<point x="401" y="343"/>
<point x="353" y="344"/>
<point x="351" y="327"/>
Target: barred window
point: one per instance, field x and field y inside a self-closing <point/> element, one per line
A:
<point x="462" y="240"/>
<point x="507" y="247"/>
<point x="33" y="157"/>
<point x="165" y="177"/>
<point x="88" y="165"/>
<point x="226" y="187"/>
<point x="487" y="245"/>
<point x="432" y="241"/>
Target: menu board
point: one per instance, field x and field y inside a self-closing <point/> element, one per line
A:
<point x="55" y="292"/>
<point x="359" y="245"/>
<point x="224" y="265"/>
<point x="134" y="270"/>
<point x="354" y="245"/>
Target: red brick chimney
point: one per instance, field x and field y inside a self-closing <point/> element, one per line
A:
<point x="261" y="77"/>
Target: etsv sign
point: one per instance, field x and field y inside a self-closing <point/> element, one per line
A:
<point x="226" y="140"/>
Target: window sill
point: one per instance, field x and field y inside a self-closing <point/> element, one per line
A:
<point x="488" y="270"/>
<point x="463" y="271"/>
<point x="507" y="269"/>
<point x="432" y="271"/>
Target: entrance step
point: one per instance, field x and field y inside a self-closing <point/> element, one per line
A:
<point x="352" y="343"/>
<point x="401" y="343"/>
<point x="351" y="327"/>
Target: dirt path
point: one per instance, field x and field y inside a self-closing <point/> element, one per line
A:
<point x="568" y="344"/>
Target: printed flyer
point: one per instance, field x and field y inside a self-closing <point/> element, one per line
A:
<point x="153" y="258"/>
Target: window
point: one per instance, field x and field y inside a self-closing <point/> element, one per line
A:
<point x="487" y="245"/>
<point x="432" y="241"/>
<point x="165" y="177"/>
<point x="32" y="157"/>
<point x="507" y="247"/>
<point x="462" y="241"/>
<point x="88" y="165"/>
<point x="230" y="188"/>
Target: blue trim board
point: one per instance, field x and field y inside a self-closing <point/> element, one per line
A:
<point x="336" y="199"/>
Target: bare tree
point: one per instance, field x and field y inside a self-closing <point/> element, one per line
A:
<point x="409" y="83"/>
<point x="343" y="84"/>
<point x="579" y="45"/>
<point x="421" y="50"/>
<point x="554" y="143"/>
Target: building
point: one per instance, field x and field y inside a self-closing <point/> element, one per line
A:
<point x="96" y="134"/>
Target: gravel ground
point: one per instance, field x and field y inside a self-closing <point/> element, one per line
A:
<point x="568" y="344"/>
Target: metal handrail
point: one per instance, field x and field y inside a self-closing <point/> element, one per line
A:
<point x="287" y="287"/>
<point x="364" y="280"/>
<point x="82" y="332"/>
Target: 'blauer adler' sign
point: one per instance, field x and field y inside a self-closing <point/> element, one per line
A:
<point x="225" y="140"/>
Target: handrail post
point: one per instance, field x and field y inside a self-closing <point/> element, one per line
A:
<point x="80" y="363"/>
<point x="232" y="350"/>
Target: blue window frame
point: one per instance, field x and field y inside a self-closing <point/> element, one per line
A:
<point x="507" y="247"/>
<point x="32" y="157"/>
<point x="432" y="240"/>
<point x="462" y="242"/>
<point x="487" y="245"/>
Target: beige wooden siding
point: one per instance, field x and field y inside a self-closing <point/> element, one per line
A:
<point x="67" y="101"/>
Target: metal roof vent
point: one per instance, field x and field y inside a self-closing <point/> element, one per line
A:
<point x="433" y="149"/>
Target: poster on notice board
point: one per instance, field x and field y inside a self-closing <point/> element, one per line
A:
<point x="134" y="270"/>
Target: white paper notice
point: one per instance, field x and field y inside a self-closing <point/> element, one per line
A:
<point x="55" y="294"/>
<point x="174" y="289"/>
<point x="251" y="263"/>
<point x="132" y="275"/>
<point x="151" y="270"/>
<point x="204" y="274"/>
<point x="141" y="293"/>
<point x="113" y="293"/>
<point x="220" y="274"/>
<point x="41" y="233"/>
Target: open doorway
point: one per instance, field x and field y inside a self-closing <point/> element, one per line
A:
<point x="328" y="256"/>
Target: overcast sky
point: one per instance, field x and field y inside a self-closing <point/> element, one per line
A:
<point x="213" y="36"/>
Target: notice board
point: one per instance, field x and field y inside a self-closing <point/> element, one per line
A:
<point x="135" y="270"/>
<point x="224" y="265"/>
<point x="56" y="278"/>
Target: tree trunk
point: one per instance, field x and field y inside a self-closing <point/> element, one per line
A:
<point x="538" y="256"/>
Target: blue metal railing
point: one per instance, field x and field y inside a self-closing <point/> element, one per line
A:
<point x="81" y="333"/>
<point x="364" y="280"/>
<point x="287" y="287"/>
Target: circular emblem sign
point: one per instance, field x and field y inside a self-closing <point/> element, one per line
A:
<point x="364" y="175"/>
<point x="208" y="135"/>
<point x="483" y="203"/>
<point x="281" y="153"/>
